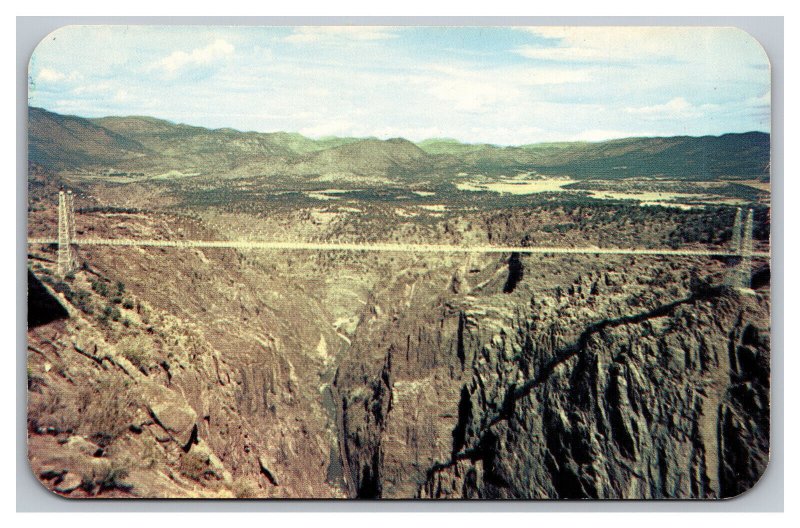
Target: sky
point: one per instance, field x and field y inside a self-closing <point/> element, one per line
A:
<point x="501" y="85"/>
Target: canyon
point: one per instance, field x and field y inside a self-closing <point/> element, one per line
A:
<point x="297" y="373"/>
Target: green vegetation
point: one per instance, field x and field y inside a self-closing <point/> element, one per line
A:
<point x="79" y="298"/>
<point x="100" y="409"/>
<point x="106" y="209"/>
<point x="100" y="287"/>
<point x="110" y="312"/>
<point x="137" y="350"/>
<point x="137" y="146"/>
<point x="715" y="225"/>
<point x="109" y="477"/>
<point x="195" y="466"/>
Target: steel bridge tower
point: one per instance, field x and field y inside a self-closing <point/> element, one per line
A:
<point x="742" y="246"/>
<point x="66" y="261"/>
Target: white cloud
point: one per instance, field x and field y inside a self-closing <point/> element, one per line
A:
<point x="512" y="76"/>
<point x="313" y="34"/>
<point x="475" y="90"/>
<point x="121" y="96"/>
<point x="178" y="60"/>
<point x="764" y="100"/>
<point x="330" y="127"/>
<point x="604" y="135"/>
<point x="49" y="75"/>
<point x="99" y="88"/>
<point x="502" y="135"/>
<point x="469" y="97"/>
<point x="677" y="107"/>
<point x="317" y="92"/>
<point x="387" y="82"/>
<point x="624" y="44"/>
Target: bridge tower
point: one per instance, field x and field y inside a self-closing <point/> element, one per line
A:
<point x="66" y="261"/>
<point x="746" y="265"/>
<point x="742" y="246"/>
<point x="736" y="236"/>
<point x="71" y="215"/>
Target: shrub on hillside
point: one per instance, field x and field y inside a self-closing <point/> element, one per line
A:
<point x="138" y="350"/>
<point x="100" y="287"/>
<point x="194" y="466"/>
<point x="106" y="410"/>
<point x="107" y="478"/>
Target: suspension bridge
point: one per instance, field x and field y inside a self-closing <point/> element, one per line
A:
<point x="741" y="245"/>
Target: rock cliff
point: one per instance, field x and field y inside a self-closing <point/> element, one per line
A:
<point x="643" y="384"/>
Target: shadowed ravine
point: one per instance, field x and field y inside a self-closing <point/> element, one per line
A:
<point x="516" y="393"/>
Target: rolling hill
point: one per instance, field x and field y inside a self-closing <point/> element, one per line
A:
<point x="154" y="146"/>
<point x="60" y="142"/>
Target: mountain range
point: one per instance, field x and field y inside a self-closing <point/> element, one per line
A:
<point x="153" y="146"/>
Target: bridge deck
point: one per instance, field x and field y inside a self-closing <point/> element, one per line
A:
<point x="396" y="247"/>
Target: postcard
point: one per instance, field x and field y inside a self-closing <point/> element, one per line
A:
<point x="412" y="262"/>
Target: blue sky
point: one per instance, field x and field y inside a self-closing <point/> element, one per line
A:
<point x="503" y="85"/>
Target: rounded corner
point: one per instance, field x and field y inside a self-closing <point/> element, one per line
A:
<point x="757" y="42"/>
<point x="760" y="478"/>
<point x="41" y="483"/>
<point x="44" y="39"/>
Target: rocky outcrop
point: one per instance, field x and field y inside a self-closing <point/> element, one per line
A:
<point x="202" y="387"/>
<point x="608" y="387"/>
<point x="173" y="414"/>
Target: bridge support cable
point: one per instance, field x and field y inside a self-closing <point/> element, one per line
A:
<point x="741" y="246"/>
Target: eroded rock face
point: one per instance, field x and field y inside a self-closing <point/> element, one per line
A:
<point x="174" y="415"/>
<point x="190" y="390"/>
<point x="487" y="377"/>
<point x="606" y="388"/>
